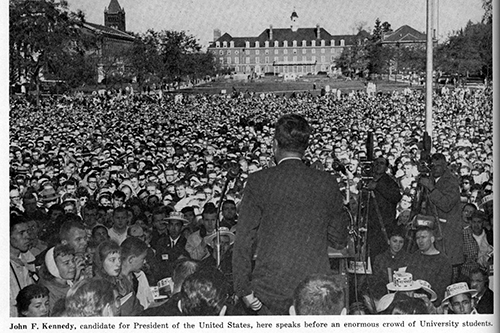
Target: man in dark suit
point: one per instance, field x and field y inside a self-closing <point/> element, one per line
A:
<point x="289" y="215"/>
<point x="484" y="299"/>
<point x="170" y="249"/>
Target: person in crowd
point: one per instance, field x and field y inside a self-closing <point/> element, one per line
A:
<point x="430" y="264"/>
<point x="132" y="278"/>
<point x="58" y="273"/>
<point x="283" y="223"/>
<point x="118" y="232"/>
<point x="484" y="300"/>
<point x="204" y="293"/>
<point x="93" y="297"/>
<point x="229" y="214"/>
<point x="385" y="195"/>
<point x="22" y="269"/>
<point x="444" y="196"/>
<point x="33" y="301"/>
<point x="172" y="248"/>
<point x="319" y="294"/>
<point x="459" y="299"/>
<point x="195" y="244"/>
<point x="221" y="252"/>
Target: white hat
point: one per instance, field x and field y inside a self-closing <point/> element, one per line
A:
<point x="403" y="281"/>
<point x="457" y="289"/>
<point x="223" y="232"/>
<point x="426" y="286"/>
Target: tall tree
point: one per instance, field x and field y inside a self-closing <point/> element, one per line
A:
<point x="44" y="37"/>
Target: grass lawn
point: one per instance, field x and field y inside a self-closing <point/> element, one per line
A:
<point x="279" y="86"/>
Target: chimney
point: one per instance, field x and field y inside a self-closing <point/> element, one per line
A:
<point x="270" y="32"/>
<point x="318" y="31"/>
<point x="217" y="34"/>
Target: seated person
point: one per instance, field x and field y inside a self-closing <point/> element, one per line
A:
<point x="93" y="297"/>
<point x="204" y="293"/>
<point x="479" y="280"/>
<point x="404" y="304"/>
<point x="319" y="294"/>
<point x="33" y="301"/>
<point x="459" y="299"/>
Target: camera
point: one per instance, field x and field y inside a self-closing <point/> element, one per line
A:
<point x="366" y="167"/>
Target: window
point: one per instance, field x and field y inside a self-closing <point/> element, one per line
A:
<point x="276" y="43"/>
<point x="228" y="60"/>
<point x="276" y="59"/>
<point x="276" y="51"/>
<point x="236" y="60"/>
<point x="304" y="43"/>
<point x="313" y="43"/>
<point x="285" y="43"/>
<point x="247" y="44"/>
<point x="294" y="58"/>
<point x="257" y="52"/>
<point x="221" y="60"/>
<point x="266" y="43"/>
<point x="332" y="42"/>
<point x="247" y="60"/>
<point x="294" y="51"/>
<point x="285" y="58"/>
<point x="257" y="44"/>
<point x="231" y="43"/>
<point x="217" y="44"/>
<point x="221" y="52"/>
<point x="294" y="43"/>
<point x="322" y="58"/>
<point x="322" y="42"/>
<point x="247" y="52"/>
<point x="322" y="50"/>
<point x="257" y="60"/>
<point x="236" y="52"/>
<point x="266" y="59"/>
<point x="285" y="51"/>
<point x="332" y="50"/>
<point x="304" y="58"/>
<point x="224" y="44"/>
<point x="313" y="58"/>
<point x="313" y="51"/>
<point x="266" y="51"/>
<point x="304" y="51"/>
<point x="228" y="52"/>
<point x="342" y="42"/>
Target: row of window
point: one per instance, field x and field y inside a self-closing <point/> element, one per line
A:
<point x="236" y="60"/>
<point x="277" y="44"/>
<point x="281" y="69"/>
<point x="277" y="51"/>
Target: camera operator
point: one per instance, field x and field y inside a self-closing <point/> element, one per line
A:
<point x="387" y="195"/>
<point x="443" y="193"/>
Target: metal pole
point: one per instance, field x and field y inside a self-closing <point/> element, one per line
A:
<point x="429" y="65"/>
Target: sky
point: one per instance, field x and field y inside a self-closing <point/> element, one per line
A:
<point x="241" y="18"/>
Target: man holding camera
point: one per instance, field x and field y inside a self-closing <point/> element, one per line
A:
<point x="443" y="193"/>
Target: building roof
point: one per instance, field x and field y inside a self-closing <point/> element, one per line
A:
<point x="286" y="34"/>
<point x="111" y="32"/>
<point x="114" y="7"/>
<point x="404" y="34"/>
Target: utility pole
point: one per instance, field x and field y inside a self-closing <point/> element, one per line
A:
<point x="429" y="70"/>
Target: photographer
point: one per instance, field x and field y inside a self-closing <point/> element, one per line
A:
<point x="444" y="197"/>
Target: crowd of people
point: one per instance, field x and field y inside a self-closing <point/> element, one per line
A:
<point x="129" y="204"/>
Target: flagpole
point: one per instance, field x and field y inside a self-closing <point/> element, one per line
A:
<point x="429" y="70"/>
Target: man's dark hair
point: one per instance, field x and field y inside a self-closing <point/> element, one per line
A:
<point x="16" y="219"/>
<point x="209" y="208"/>
<point x="204" y="293"/>
<point x="319" y="294"/>
<point x="292" y="133"/>
<point x="119" y="195"/>
<point x="438" y="157"/>
<point x="67" y="226"/>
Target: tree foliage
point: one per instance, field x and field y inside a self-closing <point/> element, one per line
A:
<point x="44" y="37"/>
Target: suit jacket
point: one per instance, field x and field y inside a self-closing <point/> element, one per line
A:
<point x="166" y="256"/>
<point x="485" y="304"/>
<point x="289" y="214"/>
<point x="446" y="199"/>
